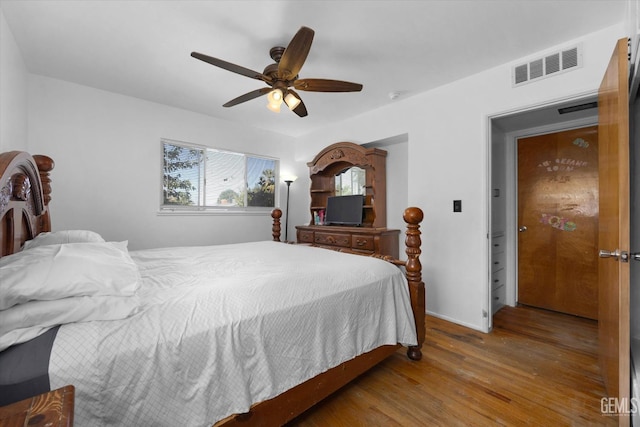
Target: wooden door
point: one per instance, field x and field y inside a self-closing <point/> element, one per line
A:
<point x="613" y="325"/>
<point x="558" y="221"/>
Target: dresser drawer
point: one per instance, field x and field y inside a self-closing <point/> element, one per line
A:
<point x="497" y="261"/>
<point x="362" y="242"/>
<point x="498" y="243"/>
<point x="497" y="279"/>
<point x="305" y="236"/>
<point x="333" y="239"/>
<point x="498" y="298"/>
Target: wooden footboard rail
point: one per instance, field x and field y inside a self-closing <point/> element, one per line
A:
<point x="413" y="217"/>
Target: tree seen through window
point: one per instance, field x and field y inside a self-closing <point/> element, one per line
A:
<point x="204" y="177"/>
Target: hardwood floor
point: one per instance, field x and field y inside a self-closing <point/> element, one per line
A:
<point x="535" y="368"/>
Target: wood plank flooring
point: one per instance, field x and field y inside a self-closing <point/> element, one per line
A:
<point x="535" y="368"/>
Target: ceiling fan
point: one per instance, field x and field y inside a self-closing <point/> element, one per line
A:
<point x="283" y="75"/>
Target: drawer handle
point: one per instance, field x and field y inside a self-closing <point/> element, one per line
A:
<point x="496" y="263"/>
<point x="361" y="242"/>
<point x="496" y="280"/>
<point x="328" y="239"/>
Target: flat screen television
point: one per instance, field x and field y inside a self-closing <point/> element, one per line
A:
<point x="344" y="210"/>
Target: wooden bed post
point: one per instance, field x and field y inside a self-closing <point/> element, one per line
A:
<point x="45" y="165"/>
<point x="276" y="214"/>
<point x="413" y="216"/>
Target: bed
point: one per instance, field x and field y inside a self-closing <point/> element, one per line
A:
<point x="242" y="334"/>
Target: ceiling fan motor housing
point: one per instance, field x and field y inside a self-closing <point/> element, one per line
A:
<point x="271" y="71"/>
<point x="276" y="53"/>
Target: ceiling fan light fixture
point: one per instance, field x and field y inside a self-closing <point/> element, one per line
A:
<point x="274" y="106"/>
<point x="275" y="96"/>
<point x="274" y="100"/>
<point x="292" y="101"/>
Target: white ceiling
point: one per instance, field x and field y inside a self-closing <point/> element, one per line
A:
<point x="142" y="48"/>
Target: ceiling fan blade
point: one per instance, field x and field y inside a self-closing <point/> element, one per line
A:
<point x="324" y="85"/>
<point x="300" y="109"/>
<point x="231" y="67"/>
<point x="295" y="54"/>
<point x="248" y="96"/>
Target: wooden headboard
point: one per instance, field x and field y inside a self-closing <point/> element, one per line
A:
<point x="25" y="192"/>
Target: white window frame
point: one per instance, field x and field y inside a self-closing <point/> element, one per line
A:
<point x="211" y="210"/>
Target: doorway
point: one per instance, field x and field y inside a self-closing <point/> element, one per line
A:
<point x="505" y="130"/>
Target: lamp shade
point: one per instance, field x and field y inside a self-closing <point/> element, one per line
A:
<point x="274" y="100"/>
<point x="292" y="101"/>
<point x="275" y="107"/>
<point x="275" y="96"/>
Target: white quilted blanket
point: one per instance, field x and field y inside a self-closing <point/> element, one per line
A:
<point x="223" y="327"/>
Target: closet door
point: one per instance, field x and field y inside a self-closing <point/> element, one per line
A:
<point x="558" y="221"/>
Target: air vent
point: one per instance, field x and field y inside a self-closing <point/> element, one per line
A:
<point x="570" y="58"/>
<point x="580" y="107"/>
<point x="551" y="64"/>
<point x="521" y="73"/>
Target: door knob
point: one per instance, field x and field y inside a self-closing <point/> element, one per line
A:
<point x="522" y="229"/>
<point x="609" y="254"/>
<point x="623" y="255"/>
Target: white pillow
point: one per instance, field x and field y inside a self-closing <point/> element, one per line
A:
<point x="64" y="236"/>
<point x="24" y="322"/>
<point x="53" y="272"/>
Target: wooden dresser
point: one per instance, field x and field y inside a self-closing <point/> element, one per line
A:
<point x="367" y="240"/>
<point x="372" y="237"/>
<point x="52" y="409"/>
<point x="339" y="157"/>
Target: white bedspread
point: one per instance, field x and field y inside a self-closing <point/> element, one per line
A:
<point x="223" y="327"/>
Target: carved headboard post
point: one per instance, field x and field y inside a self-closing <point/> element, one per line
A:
<point x="413" y="217"/>
<point x="276" y="214"/>
<point x="45" y="165"/>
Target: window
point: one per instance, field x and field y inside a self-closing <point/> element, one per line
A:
<point x="199" y="178"/>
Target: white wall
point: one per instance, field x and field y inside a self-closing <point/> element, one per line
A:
<point x="106" y="148"/>
<point x="448" y="159"/>
<point x="108" y="164"/>
<point x="397" y="149"/>
<point x="13" y="87"/>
